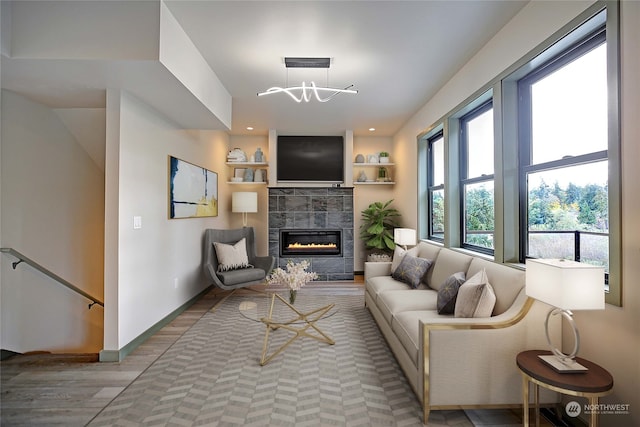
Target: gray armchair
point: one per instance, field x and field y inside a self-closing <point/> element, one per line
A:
<point x="234" y="279"/>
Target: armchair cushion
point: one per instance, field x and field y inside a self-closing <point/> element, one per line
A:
<point x="234" y="277"/>
<point x="232" y="257"/>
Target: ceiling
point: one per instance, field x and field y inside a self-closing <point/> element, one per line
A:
<point x="397" y="55"/>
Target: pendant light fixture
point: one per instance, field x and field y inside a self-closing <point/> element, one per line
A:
<point x="305" y="92"/>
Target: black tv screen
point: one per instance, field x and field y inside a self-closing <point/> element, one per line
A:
<point x="310" y="158"/>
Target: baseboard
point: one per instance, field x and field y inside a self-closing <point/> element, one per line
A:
<point x="5" y="354"/>
<point x="119" y="355"/>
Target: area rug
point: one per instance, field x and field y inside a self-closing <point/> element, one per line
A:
<point x="212" y="375"/>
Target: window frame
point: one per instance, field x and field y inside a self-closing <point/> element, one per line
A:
<point x="465" y="180"/>
<point x="431" y="185"/>
<point x="503" y="89"/>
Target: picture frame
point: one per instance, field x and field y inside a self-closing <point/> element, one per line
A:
<point x="193" y="190"/>
<point x="239" y="172"/>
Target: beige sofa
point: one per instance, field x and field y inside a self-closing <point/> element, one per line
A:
<point x="459" y="362"/>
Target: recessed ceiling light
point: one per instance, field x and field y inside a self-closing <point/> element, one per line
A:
<point x="249" y="128"/>
<point x="372" y="129"/>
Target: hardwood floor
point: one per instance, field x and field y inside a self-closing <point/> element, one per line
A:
<point x="70" y="390"/>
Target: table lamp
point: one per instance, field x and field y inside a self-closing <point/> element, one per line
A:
<point x="404" y="237"/>
<point x="244" y="202"/>
<point x="565" y="285"/>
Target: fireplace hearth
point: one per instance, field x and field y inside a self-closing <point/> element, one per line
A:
<point x="310" y="242"/>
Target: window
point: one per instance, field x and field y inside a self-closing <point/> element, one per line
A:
<point x="435" y="178"/>
<point x="564" y="159"/>
<point x="476" y="178"/>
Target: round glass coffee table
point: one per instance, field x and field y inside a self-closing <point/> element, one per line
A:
<point x="275" y="312"/>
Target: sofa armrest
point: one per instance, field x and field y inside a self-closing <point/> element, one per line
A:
<point x="375" y="269"/>
<point x="480" y="354"/>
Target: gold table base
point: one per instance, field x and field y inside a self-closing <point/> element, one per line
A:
<point x="308" y="321"/>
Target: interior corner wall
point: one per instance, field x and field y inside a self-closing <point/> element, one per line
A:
<point x="52" y="201"/>
<point x="610" y="337"/>
<point x="153" y="270"/>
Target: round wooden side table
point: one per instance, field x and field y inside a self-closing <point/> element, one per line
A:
<point x="592" y="384"/>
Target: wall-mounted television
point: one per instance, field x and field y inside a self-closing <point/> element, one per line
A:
<point x="310" y="159"/>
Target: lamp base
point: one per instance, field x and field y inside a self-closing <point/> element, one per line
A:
<point x="567" y="366"/>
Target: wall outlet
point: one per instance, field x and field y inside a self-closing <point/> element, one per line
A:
<point x="137" y="222"/>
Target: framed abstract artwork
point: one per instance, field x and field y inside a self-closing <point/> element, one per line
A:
<point x="193" y="190"/>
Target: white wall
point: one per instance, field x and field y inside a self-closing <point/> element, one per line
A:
<point x="52" y="198"/>
<point x="153" y="270"/>
<point x="610" y="337"/>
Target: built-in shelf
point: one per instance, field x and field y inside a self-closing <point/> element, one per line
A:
<point x="374" y="164"/>
<point x="247" y="164"/>
<point x="247" y="183"/>
<point x="373" y="183"/>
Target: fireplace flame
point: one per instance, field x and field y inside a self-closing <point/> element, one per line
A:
<point x="297" y="245"/>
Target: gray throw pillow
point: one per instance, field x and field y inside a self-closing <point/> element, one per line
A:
<point x="476" y="297"/>
<point x="411" y="270"/>
<point x="399" y="253"/>
<point x="448" y="293"/>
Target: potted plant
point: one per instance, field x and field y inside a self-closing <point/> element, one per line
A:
<point x="384" y="157"/>
<point x="378" y="222"/>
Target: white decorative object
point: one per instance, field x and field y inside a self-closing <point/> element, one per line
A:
<point x="373" y="158"/>
<point x="236" y="155"/>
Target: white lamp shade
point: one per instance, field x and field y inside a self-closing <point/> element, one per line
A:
<point x="568" y="285"/>
<point x="244" y="201"/>
<point x="404" y="236"/>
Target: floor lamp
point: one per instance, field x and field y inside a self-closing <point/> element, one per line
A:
<point x="244" y="202"/>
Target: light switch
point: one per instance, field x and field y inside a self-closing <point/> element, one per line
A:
<point x="137" y="222"/>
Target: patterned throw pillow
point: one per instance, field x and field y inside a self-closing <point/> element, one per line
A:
<point x="475" y="297"/>
<point x="232" y="257"/>
<point x="411" y="270"/>
<point x="448" y="293"/>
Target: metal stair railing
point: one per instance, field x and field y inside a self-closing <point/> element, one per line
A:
<point x="49" y="273"/>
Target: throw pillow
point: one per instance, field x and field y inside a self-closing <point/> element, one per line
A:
<point x="232" y="257"/>
<point x="448" y="293"/>
<point x="411" y="270"/>
<point x="476" y="297"/>
<point x="399" y="253"/>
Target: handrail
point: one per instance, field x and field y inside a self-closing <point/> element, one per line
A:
<point x="49" y="273"/>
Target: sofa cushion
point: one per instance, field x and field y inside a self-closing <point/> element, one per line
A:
<point x="475" y="297"/>
<point x="448" y="262"/>
<point x="398" y="254"/>
<point x="391" y="303"/>
<point x="231" y="257"/>
<point x="379" y="284"/>
<point x="507" y="282"/>
<point x="448" y="293"/>
<point x="411" y="270"/>
<point x="406" y="326"/>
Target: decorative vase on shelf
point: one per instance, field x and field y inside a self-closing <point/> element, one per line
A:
<point x="258" y="156"/>
<point x="258" y="176"/>
<point x="359" y="158"/>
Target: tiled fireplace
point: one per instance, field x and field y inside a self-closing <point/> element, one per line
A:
<point x="314" y="224"/>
